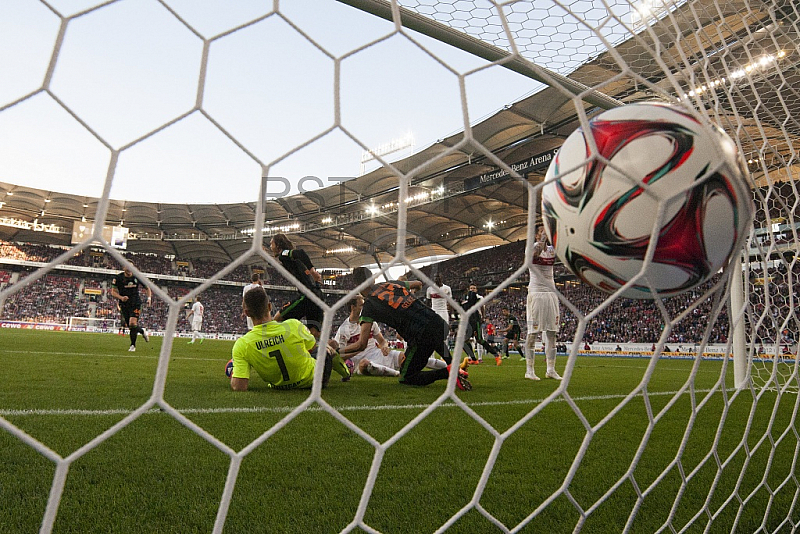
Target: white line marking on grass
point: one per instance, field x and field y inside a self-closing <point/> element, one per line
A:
<point x="685" y="369"/>
<point x="90" y="354"/>
<point x="81" y="354"/>
<point x="355" y="408"/>
<point x="581" y="363"/>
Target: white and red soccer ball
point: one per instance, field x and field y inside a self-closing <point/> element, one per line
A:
<point x="600" y="215"/>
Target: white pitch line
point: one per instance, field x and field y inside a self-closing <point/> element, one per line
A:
<point x="106" y="355"/>
<point x="590" y="366"/>
<point x="363" y="407"/>
<point x="582" y="364"/>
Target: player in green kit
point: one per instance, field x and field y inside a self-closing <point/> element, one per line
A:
<point x="278" y="352"/>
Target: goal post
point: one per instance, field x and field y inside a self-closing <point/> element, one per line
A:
<point x="741" y="358"/>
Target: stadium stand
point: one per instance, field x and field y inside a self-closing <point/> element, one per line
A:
<point x="57" y="297"/>
<point x="623" y="321"/>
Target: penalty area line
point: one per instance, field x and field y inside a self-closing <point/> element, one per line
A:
<point x="351" y="408"/>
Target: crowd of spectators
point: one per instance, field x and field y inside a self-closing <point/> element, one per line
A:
<point x="776" y="202"/>
<point x="488" y="267"/>
<point x="50" y="299"/>
<point x="620" y="321"/>
<point x="147" y="263"/>
<point x="56" y="297"/>
<point x="207" y="268"/>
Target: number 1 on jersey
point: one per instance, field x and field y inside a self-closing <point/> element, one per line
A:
<point x="278" y="355"/>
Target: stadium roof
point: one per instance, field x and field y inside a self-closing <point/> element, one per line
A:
<point x="451" y="222"/>
<point x="336" y="228"/>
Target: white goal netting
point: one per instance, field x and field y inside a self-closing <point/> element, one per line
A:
<point x="679" y="449"/>
<point x="93" y="324"/>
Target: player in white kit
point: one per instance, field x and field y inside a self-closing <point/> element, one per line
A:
<point x="437" y="297"/>
<point x="542" y="306"/>
<point x="377" y="359"/>
<point x="196" y="317"/>
<point x="255" y="281"/>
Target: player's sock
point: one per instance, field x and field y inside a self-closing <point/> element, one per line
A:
<point x="436" y="363"/>
<point x="340" y="367"/>
<point x="550" y="351"/>
<point x="469" y="349"/>
<point x="326" y="372"/>
<point x="448" y="358"/>
<point x="134" y="331"/>
<point x="529" y="361"/>
<point x="377" y="369"/>
<point x="521" y="352"/>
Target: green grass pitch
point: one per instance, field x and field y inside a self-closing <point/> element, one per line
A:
<point x="156" y="475"/>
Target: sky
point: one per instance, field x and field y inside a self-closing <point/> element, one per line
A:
<point x="127" y="77"/>
<point x="131" y="67"/>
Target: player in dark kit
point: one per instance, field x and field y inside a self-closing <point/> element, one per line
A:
<point x="474" y="326"/>
<point x="423" y="330"/>
<point x="513" y="332"/>
<point x="297" y="262"/>
<point x="125" y="288"/>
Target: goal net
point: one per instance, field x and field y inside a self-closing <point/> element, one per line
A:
<point x="93" y="324"/>
<point x="667" y="446"/>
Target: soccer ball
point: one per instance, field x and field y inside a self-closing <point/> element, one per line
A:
<point x="229" y="368"/>
<point x="600" y="219"/>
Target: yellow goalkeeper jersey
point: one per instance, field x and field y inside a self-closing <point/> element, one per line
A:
<point x="279" y="353"/>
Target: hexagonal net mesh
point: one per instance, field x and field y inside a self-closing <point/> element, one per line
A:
<point x="682" y="448"/>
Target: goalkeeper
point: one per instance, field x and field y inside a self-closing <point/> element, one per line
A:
<point x="279" y="352"/>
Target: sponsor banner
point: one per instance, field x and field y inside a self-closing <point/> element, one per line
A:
<point x="665" y="355"/>
<point x="533" y="163"/>
<point x="92" y="291"/>
<point x="187" y="335"/>
<point x="34" y="326"/>
<point x="23" y="325"/>
<point x="649" y="348"/>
